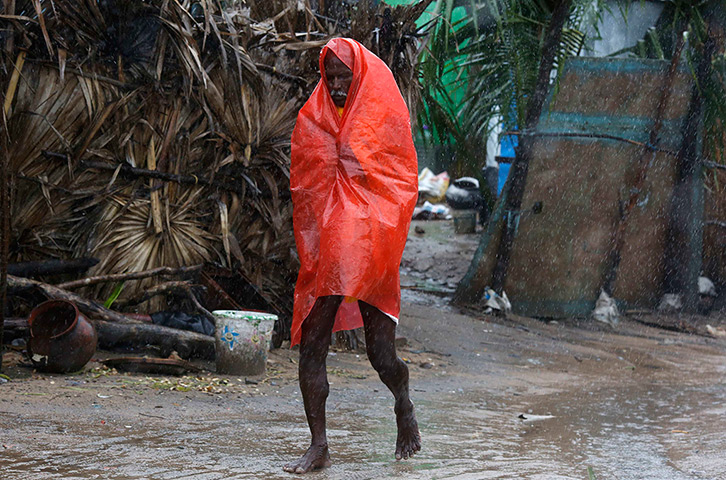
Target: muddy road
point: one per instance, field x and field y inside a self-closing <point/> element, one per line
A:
<point x="631" y="403"/>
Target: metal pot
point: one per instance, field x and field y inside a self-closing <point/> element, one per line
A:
<point x="61" y="338"/>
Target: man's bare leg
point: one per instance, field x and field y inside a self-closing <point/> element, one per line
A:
<point x="380" y="334"/>
<point x="316" y="332"/>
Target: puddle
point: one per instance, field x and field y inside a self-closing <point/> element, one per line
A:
<point x="633" y="432"/>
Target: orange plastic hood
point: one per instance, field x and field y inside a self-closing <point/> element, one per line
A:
<point x="354" y="183"/>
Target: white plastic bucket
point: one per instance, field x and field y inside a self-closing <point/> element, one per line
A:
<point x="242" y="340"/>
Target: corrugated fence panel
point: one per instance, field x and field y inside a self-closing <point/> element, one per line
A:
<point x="559" y="255"/>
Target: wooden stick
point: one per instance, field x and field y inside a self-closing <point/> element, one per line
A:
<point x="51" y="267"/>
<point x="199" y="306"/>
<point x="151" y="292"/>
<point x="89" y="307"/>
<point x="129" y="276"/>
<point x="111" y="335"/>
<point x="170" y="287"/>
<point x="21" y="18"/>
<point x="217" y="288"/>
<point x="155" y="210"/>
<point x="4" y="228"/>
<point x="135" y="172"/>
<point x="714" y="165"/>
<point x="5" y="179"/>
<point x="9" y="10"/>
<point x="94" y="76"/>
<point x="273" y="71"/>
<point x="14" y="78"/>
<point x="187" y="344"/>
<point x="128" y="170"/>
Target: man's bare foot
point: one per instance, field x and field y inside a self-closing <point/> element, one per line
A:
<point x="409" y="438"/>
<point x="316" y="457"/>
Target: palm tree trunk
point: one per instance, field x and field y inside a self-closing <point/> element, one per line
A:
<point x="520" y="167"/>
<point x="4" y="238"/>
<point x="684" y="250"/>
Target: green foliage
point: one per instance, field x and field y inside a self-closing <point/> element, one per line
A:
<point x="485" y="65"/>
<point x="701" y="17"/>
<point x="114" y="295"/>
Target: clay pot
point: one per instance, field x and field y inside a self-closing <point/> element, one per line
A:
<point x="61" y="338"/>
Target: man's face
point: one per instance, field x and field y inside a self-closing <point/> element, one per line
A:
<point x="338" y="77"/>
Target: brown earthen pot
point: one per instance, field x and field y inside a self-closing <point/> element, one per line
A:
<point x="61" y="338"/>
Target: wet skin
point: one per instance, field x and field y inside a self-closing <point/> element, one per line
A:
<point x="380" y="333"/>
<point x="338" y="78"/>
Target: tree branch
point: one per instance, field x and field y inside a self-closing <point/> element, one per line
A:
<point x="151" y="292"/>
<point x="89" y="307"/>
<point x="166" y="271"/>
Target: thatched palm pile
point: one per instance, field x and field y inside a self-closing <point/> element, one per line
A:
<point x="188" y="88"/>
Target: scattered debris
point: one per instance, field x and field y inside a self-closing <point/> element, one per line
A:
<point x="718" y="332"/>
<point x="670" y="303"/>
<point x="430" y="287"/>
<point x="341" y="372"/>
<point x="528" y="417"/>
<point x="496" y="303"/>
<point x="163" y="366"/>
<point x="186" y="384"/>
<point x="606" y="310"/>
<point x="429" y="211"/>
<point x="707" y="295"/>
<point x="419" y="230"/>
<point x="464" y="194"/>
<point x="590" y="473"/>
<point x="706" y="287"/>
<point x="432" y="187"/>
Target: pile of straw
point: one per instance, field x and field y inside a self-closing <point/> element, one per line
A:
<point x="103" y="97"/>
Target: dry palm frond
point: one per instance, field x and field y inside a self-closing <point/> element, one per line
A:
<point x="125" y="241"/>
<point x="48" y="115"/>
<point x="181" y="87"/>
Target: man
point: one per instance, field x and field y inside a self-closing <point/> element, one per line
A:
<point x="354" y="185"/>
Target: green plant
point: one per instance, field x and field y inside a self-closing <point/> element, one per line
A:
<point x="479" y="71"/>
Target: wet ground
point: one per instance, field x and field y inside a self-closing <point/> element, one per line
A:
<point x="631" y="403"/>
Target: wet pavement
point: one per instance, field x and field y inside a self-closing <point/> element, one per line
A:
<point x="643" y="404"/>
<point x="631" y="403"/>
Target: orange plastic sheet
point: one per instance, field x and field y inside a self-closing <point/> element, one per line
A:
<point x="354" y="183"/>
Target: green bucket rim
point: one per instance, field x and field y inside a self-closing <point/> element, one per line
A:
<point x="244" y="315"/>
